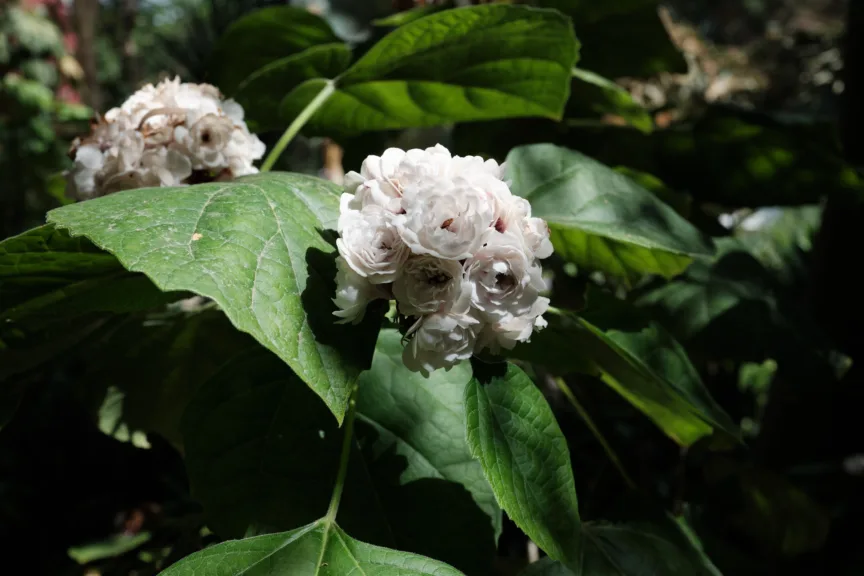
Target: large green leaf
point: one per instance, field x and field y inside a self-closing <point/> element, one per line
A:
<point x="261" y="453"/>
<point x="173" y="357"/>
<point x="643" y="363"/>
<point x="633" y="549"/>
<point x="638" y="359"/>
<point x="421" y="420"/>
<point x="46" y="277"/>
<point x="55" y="290"/>
<point x="264" y="37"/>
<point x="512" y="432"/>
<point x="44" y="259"/>
<point x="479" y="62"/>
<point x="415" y="13"/>
<point x="601" y="219"/>
<point x="735" y="284"/>
<point x="262" y="92"/>
<point x="117" y="293"/>
<point x="781" y="238"/>
<point x="259" y="247"/>
<point x="320" y="549"/>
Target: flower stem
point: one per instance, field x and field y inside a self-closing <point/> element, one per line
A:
<point x="565" y="389"/>
<point x="298" y="124"/>
<point x="333" y="509"/>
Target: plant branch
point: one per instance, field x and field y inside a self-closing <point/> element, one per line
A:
<point x="333" y="509"/>
<point x="298" y="124"/>
<point x="565" y="389"/>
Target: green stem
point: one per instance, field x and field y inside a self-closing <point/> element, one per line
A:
<point x="343" y="459"/>
<point x="565" y="389"/>
<point x="555" y="311"/>
<point x="298" y="124"/>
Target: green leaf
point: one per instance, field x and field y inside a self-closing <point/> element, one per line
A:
<point x="781" y="238"/>
<point x="600" y="219"/>
<point x="55" y="289"/>
<point x="593" y="94"/>
<point x="415" y="13"/>
<point x="261" y="453"/>
<point x="173" y="358"/>
<point x="264" y="37"/>
<point x="111" y="547"/>
<point x="681" y="202"/>
<point x="259" y="247"/>
<point x="21" y="352"/>
<point x="422" y="420"/>
<point x="34" y="32"/>
<point x="643" y="363"/>
<point x="632" y="549"/>
<point x="262" y="92"/>
<point x="44" y="259"/>
<point x="555" y="349"/>
<point x="732" y="158"/>
<point x="512" y="432"/>
<point x="736" y="283"/>
<point x="319" y="549"/>
<point x="117" y="293"/>
<point x="479" y="62"/>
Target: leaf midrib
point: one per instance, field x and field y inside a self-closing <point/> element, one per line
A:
<point x="294" y="537"/>
<point x="385" y="112"/>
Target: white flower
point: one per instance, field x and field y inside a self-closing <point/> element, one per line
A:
<point x="536" y="233"/>
<point x="376" y="183"/>
<point x="205" y="140"/>
<point x="445" y="218"/>
<point x="353" y="294"/>
<point x="446" y="238"/>
<point x="507" y="333"/>
<point x="370" y="244"/>
<point x="428" y="284"/>
<point x="141" y="141"/>
<point x="88" y="161"/>
<point x="169" y="166"/>
<point x="440" y="340"/>
<point x="515" y="214"/>
<point x="503" y="278"/>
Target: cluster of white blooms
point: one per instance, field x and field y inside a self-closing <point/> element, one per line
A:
<point x="446" y="238"/>
<point x="165" y="135"/>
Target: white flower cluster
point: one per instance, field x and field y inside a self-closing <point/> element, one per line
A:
<point x="166" y="135"/>
<point x="446" y="238"/>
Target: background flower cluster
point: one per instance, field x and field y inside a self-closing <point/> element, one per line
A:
<point x="165" y="135"/>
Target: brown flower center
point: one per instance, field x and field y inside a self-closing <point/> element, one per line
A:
<point x="439" y="279"/>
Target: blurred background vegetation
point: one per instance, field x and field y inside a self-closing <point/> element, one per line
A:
<point x="745" y="115"/>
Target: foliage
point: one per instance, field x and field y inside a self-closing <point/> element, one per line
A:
<point x="34" y="121"/>
<point x="674" y="417"/>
